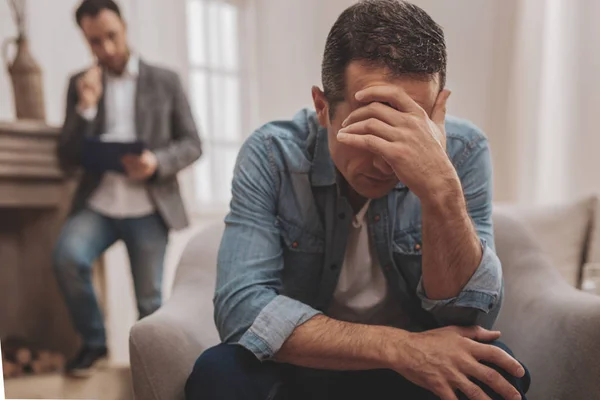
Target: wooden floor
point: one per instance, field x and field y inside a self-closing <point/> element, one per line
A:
<point x="112" y="383"/>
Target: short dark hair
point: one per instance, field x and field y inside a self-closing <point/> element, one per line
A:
<point x="91" y="8"/>
<point x="389" y="33"/>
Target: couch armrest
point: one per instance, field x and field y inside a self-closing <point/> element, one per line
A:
<point x="552" y="327"/>
<point x="164" y="346"/>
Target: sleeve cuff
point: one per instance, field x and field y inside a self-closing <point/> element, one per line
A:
<point x="482" y="292"/>
<point x="88" y="114"/>
<point x="274" y="325"/>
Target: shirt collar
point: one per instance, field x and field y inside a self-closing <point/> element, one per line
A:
<point x="323" y="171"/>
<point x="360" y="216"/>
<point x="132" y="68"/>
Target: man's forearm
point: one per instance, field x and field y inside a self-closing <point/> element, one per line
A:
<point x="71" y="140"/>
<point x="326" y="343"/>
<point x="451" y="248"/>
<point x="177" y="156"/>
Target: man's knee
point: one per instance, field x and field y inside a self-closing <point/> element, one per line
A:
<point x="521" y="384"/>
<point x="67" y="259"/>
<point x="217" y="364"/>
<point x="230" y="372"/>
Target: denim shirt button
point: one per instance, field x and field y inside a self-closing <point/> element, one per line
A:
<point x="417" y="246"/>
<point x="295" y="245"/>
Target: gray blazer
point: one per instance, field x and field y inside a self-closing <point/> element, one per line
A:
<point x="163" y="122"/>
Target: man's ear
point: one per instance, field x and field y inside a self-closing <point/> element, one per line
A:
<point x="321" y="106"/>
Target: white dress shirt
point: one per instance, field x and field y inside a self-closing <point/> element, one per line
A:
<point x="118" y="196"/>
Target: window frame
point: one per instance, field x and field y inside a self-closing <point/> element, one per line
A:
<point x="246" y="73"/>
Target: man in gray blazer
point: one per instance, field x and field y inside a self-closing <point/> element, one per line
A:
<point x="121" y="99"/>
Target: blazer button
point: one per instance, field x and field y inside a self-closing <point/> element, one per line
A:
<point x="377" y="218"/>
<point x="295" y="245"/>
<point x="333" y="267"/>
<point x="342" y="215"/>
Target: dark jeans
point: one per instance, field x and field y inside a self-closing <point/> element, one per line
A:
<point x="228" y="372"/>
<point x="84" y="237"/>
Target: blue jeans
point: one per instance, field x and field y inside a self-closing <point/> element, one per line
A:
<point x="230" y="372"/>
<point x="84" y="237"/>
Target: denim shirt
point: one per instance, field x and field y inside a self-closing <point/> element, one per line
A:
<point x="285" y="237"/>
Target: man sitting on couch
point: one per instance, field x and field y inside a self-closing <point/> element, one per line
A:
<point x="358" y="257"/>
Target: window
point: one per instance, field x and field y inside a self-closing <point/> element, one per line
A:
<point x="219" y="86"/>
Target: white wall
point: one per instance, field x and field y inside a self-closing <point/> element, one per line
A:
<point x="289" y="52"/>
<point x="584" y="139"/>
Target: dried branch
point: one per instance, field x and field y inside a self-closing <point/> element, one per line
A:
<point x="23" y="13"/>
<point x="18" y="10"/>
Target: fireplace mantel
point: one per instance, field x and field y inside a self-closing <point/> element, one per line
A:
<point x="29" y="173"/>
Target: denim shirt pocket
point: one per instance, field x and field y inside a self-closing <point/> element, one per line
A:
<point x="298" y="239"/>
<point x="303" y="258"/>
<point x="407" y="250"/>
<point x="408" y="241"/>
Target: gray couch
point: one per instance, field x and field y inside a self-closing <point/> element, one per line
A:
<point x="552" y="327"/>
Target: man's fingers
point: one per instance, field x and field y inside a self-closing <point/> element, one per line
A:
<point x="396" y="97"/>
<point x="132" y="158"/>
<point x="483" y="335"/>
<point x="92" y="78"/>
<point x="500" y="358"/>
<point x="94" y="73"/>
<point x="368" y="142"/>
<point x="471" y="390"/>
<point x="478" y="333"/>
<point x="380" y="111"/>
<point x="127" y="160"/>
<point x="447" y="394"/>
<point x="494" y="380"/>
<point x="371" y="126"/>
<point x="130" y="163"/>
<point x="438" y="115"/>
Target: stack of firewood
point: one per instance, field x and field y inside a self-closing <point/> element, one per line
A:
<point x="21" y="358"/>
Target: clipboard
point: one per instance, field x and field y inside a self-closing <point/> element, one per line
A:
<point x="102" y="156"/>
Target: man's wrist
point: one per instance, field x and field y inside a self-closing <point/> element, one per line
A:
<point x="86" y="111"/>
<point x="444" y="196"/>
<point x="390" y="353"/>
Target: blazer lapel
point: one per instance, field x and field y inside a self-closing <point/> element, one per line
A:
<point x="142" y="101"/>
<point x="100" y="120"/>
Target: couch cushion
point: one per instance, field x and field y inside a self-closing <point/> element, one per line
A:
<point x="563" y="231"/>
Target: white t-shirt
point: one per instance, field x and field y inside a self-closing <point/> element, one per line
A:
<point x="361" y="294"/>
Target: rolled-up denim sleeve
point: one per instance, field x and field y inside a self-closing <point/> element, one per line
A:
<point x="249" y="309"/>
<point x="480" y="300"/>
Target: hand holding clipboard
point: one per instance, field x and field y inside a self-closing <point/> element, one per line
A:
<point x="101" y="156"/>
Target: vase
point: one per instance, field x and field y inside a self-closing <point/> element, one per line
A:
<point x="26" y="77"/>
